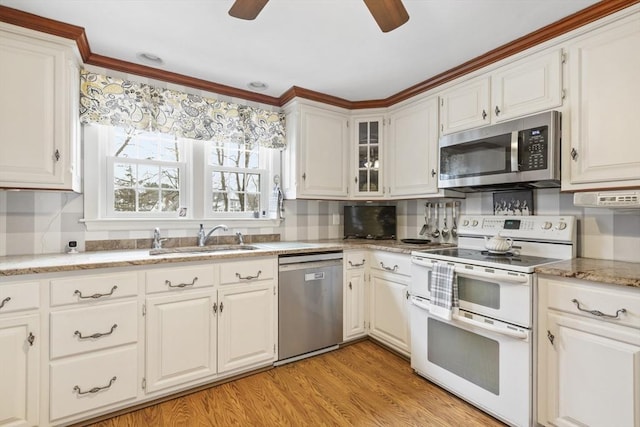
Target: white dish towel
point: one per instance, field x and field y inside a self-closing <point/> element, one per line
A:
<point x="444" y="291"/>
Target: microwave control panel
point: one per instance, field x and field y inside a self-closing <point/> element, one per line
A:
<point x="533" y="150"/>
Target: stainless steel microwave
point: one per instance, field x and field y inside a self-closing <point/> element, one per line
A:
<point x="522" y="153"/>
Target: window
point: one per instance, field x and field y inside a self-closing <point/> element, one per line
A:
<point x="236" y="177"/>
<point x="150" y="175"/>
<point x="145" y="174"/>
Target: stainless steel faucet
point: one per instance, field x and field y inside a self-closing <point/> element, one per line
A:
<point x="157" y="241"/>
<point x="202" y="237"/>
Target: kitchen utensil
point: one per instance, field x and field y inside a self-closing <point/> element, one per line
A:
<point x="436" y="232"/>
<point x="445" y="229"/>
<point x="454" y="229"/>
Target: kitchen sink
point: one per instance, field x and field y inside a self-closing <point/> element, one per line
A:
<point x="202" y="249"/>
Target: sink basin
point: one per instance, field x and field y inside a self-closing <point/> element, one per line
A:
<point x="202" y="249"/>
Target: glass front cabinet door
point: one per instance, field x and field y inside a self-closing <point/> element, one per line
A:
<point x="367" y="176"/>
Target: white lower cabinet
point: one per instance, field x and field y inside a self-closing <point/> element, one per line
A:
<point x="354" y="292"/>
<point x="19" y="370"/>
<point x="246" y="325"/>
<point x="181" y="338"/>
<point x="388" y="299"/>
<point x="589" y="364"/>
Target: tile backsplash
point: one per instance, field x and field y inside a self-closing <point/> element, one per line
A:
<point x="34" y="222"/>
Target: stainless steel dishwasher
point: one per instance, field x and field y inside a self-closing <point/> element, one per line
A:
<point x="309" y="304"/>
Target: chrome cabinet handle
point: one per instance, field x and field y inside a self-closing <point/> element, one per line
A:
<point x="221" y="307"/>
<point x="351" y="264"/>
<point x="180" y="285"/>
<point x="96" y="335"/>
<point x="484" y="114"/>
<point x="95" y="389"/>
<point x="31" y="339"/>
<point x="574" y="154"/>
<point x="598" y="312"/>
<point x="248" y="277"/>
<point x="56" y="155"/>
<point x="394" y="268"/>
<point x="4" y="301"/>
<point x="215" y="308"/>
<point x="550" y="336"/>
<point x="497" y="111"/>
<point x="95" y="296"/>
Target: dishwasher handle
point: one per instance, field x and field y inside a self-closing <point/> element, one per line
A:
<point x="309" y="265"/>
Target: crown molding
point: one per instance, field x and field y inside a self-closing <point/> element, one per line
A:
<point x="558" y="28"/>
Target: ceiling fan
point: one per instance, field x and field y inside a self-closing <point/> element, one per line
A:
<point x="389" y="14"/>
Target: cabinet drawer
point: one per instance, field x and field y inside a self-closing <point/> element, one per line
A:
<point x="93" y="328"/>
<point x="355" y="260"/>
<point x="171" y="279"/>
<point x="84" y="289"/>
<point x="247" y="270"/>
<point x="19" y="296"/>
<point x="89" y="382"/>
<point x="606" y="299"/>
<point x="391" y="262"/>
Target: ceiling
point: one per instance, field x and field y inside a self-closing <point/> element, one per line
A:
<point x="330" y="46"/>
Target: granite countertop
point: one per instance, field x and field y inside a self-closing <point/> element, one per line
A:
<point x="595" y="270"/>
<point x="50" y="263"/>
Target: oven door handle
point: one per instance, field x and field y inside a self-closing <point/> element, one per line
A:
<point x="513" y="334"/>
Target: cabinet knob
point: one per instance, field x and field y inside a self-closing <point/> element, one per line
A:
<point x="497" y="111"/>
<point x="433" y="172"/>
<point x="304" y="176"/>
<point x="350" y="286"/>
<point x="574" y="154"/>
<point x="31" y="339"/>
<point x="355" y="179"/>
<point x="484" y="114"/>
<point x="56" y="155"/>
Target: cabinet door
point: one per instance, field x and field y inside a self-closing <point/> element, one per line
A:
<point x="388" y="312"/>
<point x="246" y="325"/>
<point x="592" y="373"/>
<point x="353" y="317"/>
<point x="412" y="151"/>
<point x="367" y="154"/>
<point x="465" y="106"/>
<point x="604" y="92"/>
<point x="527" y="86"/>
<point x="181" y="338"/>
<point x="323" y="153"/>
<point x="36" y="128"/>
<point x="19" y="376"/>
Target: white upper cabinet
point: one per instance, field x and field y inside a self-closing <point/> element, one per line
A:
<point x="604" y="89"/>
<point x="465" y="106"/>
<point x="527" y="86"/>
<point x="367" y="172"/>
<point x="316" y="164"/>
<point x="524" y="87"/>
<point x="412" y="149"/>
<point x="39" y="124"/>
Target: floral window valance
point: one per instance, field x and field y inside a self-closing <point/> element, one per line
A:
<point x="116" y="102"/>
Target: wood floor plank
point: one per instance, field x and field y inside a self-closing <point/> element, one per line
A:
<point x="358" y="385"/>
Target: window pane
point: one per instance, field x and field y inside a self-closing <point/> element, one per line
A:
<point x="253" y="202"/>
<point x="148" y="176"/>
<point x="170" y="201"/>
<point x="148" y="200"/>
<point x="220" y="202"/>
<point x="169" y="150"/>
<point x="253" y="183"/>
<point x="124" y="175"/>
<point x="135" y="144"/>
<point x="124" y="200"/>
<point x="170" y="178"/>
<point x="234" y="181"/>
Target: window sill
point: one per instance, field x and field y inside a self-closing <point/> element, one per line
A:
<point x="135" y="224"/>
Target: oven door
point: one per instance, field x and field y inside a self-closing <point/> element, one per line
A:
<point x="495" y="293"/>
<point x="489" y="365"/>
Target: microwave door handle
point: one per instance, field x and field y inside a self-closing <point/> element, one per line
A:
<point x="513" y="334"/>
<point x="514" y="151"/>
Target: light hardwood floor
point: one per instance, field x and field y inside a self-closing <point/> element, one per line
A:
<point x="358" y="385"/>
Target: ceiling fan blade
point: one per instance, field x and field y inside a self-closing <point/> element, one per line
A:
<point x="389" y="14"/>
<point x="247" y="9"/>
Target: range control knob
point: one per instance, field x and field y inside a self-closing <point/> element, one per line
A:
<point x="561" y="225"/>
<point x="474" y="223"/>
<point x="547" y="225"/>
<point x="465" y="222"/>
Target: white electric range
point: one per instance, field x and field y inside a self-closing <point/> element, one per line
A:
<point x="484" y="353"/>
